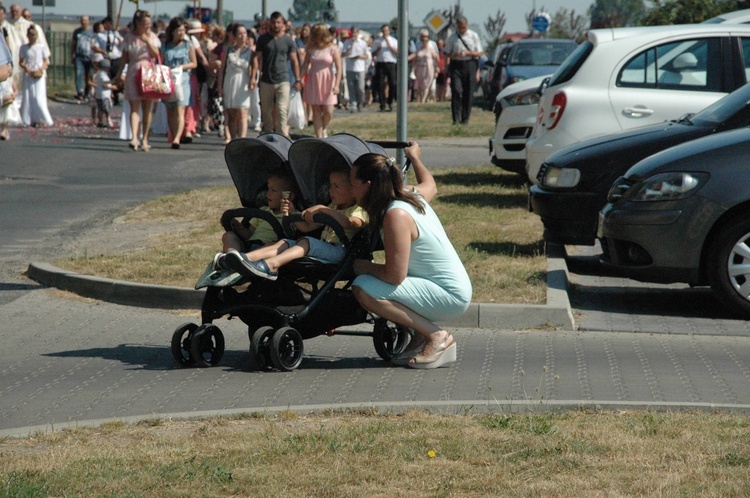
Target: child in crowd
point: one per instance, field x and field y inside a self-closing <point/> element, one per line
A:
<point x="103" y="93"/>
<point x="9" y="114"/>
<point x="265" y="261"/>
<point x="280" y="196"/>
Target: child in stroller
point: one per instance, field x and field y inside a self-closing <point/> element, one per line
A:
<point x="280" y="196"/>
<point x="309" y="298"/>
<point x="265" y="261"/>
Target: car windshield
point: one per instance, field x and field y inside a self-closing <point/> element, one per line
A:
<point x="572" y="64"/>
<point x="540" y="54"/>
<point x="721" y="111"/>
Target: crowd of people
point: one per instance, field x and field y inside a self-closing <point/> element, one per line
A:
<point x="234" y="79"/>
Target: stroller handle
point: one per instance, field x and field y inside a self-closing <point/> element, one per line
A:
<point x="390" y="144"/>
<point x="394" y="144"/>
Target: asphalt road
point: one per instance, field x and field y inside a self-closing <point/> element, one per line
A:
<point x="58" y="182"/>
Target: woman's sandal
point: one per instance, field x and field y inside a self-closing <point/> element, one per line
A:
<point x="133" y="146"/>
<point x="444" y="353"/>
<point x="145" y="147"/>
<point x="412" y="350"/>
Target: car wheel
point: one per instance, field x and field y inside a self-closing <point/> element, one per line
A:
<point x="729" y="266"/>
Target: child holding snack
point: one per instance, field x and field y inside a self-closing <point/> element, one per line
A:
<point x="265" y="261"/>
<point x="280" y="197"/>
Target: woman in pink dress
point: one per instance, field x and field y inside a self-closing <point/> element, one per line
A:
<point x="140" y="47"/>
<point x="425" y="60"/>
<point x="321" y="82"/>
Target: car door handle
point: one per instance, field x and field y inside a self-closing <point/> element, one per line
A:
<point x="637" y="111"/>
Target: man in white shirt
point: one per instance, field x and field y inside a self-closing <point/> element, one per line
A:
<point x="80" y="56"/>
<point x="355" y="55"/>
<point x="464" y="48"/>
<point x="385" y="53"/>
<point x="109" y="45"/>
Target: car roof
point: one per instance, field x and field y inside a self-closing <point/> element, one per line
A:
<point x="738" y="16"/>
<point x="597" y="36"/>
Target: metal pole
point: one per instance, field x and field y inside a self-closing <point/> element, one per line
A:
<point x="403" y="76"/>
<point x="264" y="10"/>
<point x="220" y="12"/>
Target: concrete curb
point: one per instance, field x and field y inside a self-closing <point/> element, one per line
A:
<point x="555" y="314"/>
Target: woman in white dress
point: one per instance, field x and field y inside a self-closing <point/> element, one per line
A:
<point x="34" y="59"/>
<point x="234" y="83"/>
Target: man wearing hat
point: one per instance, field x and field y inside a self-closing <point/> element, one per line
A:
<point x="108" y="43"/>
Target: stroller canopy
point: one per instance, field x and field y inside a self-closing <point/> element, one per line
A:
<point x="252" y="160"/>
<point x="313" y="159"/>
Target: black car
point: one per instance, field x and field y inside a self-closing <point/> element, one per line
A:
<point x="683" y="215"/>
<point x="572" y="184"/>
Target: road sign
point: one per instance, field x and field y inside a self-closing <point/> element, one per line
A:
<point x="435" y="21"/>
<point x="43" y="3"/>
<point x="541" y="22"/>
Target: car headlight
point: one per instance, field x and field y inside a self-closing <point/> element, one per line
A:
<point x="666" y="187"/>
<point x="527" y="97"/>
<point x="560" y="177"/>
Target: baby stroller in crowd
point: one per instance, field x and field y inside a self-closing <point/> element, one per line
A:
<point x="309" y="298"/>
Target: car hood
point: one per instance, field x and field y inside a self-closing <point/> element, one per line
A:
<point x="602" y="159"/>
<point x="521" y="86"/>
<point x="729" y="149"/>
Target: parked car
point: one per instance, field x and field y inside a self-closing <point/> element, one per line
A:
<point x="573" y="182"/>
<point x="524" y="59"/>
<point x="487" y="76"/>
<point x="683" y="215"/>
<point x="622" y="78"/>
<point x="515" y="113"/>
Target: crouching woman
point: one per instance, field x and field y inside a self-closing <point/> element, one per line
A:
<point x="422" y="280"/>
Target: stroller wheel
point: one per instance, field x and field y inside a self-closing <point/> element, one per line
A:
<point x="389" y="339"/>
<point x="207" y="345"/>
<point x="287" y="349"/>
<point x="260" y="348"/>
<point x="181" y="344"/>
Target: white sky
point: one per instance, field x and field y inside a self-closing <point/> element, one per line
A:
<point x="476" y="11"/>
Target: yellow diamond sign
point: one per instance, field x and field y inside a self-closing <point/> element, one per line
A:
<point x="435" y="21"/>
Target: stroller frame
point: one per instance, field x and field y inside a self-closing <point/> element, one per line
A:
<point x="282" y="314"/>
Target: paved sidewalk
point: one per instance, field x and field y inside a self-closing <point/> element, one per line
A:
<point x="73" y="362"/>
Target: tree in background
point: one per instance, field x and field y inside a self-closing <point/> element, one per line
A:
<point x="567" y="24"/>
<point x="313" y="11"/>
<point x="494" y="27"/>
<point x="616" y="13"/>
<point x="688" y="11"/>
<point x="452" y="13"/>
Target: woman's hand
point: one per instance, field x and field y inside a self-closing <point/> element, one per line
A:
<point x="413" y="151"/>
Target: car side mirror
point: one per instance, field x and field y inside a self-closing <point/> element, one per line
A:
<point x="543" y="85"/>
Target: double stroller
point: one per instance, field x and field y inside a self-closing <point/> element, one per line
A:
<point x="309" y="298"/>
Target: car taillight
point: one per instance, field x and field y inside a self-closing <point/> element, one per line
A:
<point x="556" y="110"/>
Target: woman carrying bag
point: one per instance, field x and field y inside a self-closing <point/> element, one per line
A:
<point x="141" y="47"/>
